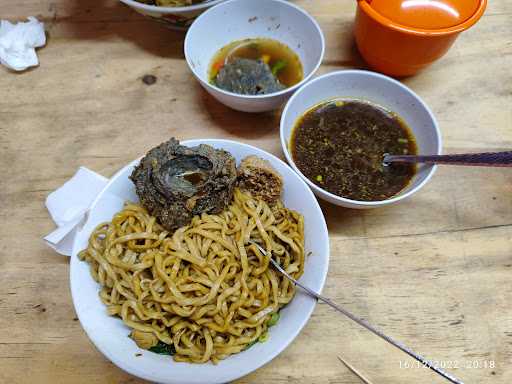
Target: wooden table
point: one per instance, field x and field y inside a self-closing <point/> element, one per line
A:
<point x="435" y="271"/>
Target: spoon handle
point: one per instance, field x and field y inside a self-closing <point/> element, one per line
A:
<point x="486" y="159"/>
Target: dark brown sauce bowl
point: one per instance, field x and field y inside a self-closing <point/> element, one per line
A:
<point x="377" y="89"/>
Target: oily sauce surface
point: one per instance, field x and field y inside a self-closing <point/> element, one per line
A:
<point x="340" y="144"/>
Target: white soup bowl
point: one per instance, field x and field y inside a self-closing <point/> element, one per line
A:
<point x="243" y="19"/>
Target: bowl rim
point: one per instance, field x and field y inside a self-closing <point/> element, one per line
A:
<point x="74" y="263"/>
<point x="343" y="200"/>
<point x="149" y="7"/>
<point x="285" y="91"/>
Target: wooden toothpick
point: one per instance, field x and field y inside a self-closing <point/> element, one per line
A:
<point x="355" y="371"/>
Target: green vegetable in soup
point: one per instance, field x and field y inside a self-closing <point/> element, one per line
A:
<point x="279" y="66"/>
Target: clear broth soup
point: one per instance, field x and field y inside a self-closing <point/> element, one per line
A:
<point x="282" y="60"/>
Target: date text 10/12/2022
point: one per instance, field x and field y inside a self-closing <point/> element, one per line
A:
<point x="450" y="364"/>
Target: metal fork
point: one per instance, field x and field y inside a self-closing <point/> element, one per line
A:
<point x="362" y="322"/>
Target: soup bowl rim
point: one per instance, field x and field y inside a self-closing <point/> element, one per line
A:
<point x="165" y="10"/>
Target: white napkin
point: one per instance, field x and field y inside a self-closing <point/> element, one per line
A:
<point x="18" y="43"/>
<point x="69" y="206"/>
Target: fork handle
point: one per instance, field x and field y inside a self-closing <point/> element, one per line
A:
<point x="371" y="328"/>
<point x="361" y="322"/>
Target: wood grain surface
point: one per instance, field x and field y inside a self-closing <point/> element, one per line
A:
<point x="434" y="272"/>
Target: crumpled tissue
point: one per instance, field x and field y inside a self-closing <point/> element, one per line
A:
<point x="18" y="43"/>
<point x="69" y="206"/>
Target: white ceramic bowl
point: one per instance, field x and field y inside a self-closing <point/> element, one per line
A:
<point x="381" y="90"/>
<point x="110" y="335"/>
<point x="241" y="19"/>
<point x="175" y="17"/>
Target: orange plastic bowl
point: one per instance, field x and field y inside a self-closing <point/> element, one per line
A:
<point x="396" y="49"/>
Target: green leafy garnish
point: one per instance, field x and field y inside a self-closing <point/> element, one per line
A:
<point x="264" y="337"/>
<point x="273" y="319"/>
<point x="278" y="66"/>
<point x="250" y="344"/>
<point x="163" y="349"/>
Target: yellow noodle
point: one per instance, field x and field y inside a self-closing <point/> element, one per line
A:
<point x="204" y="289"/>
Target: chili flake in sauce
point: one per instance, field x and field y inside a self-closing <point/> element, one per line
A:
<point x="339" y="145"/>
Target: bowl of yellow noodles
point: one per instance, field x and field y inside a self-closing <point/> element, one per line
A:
<point x="115" y="296"/>
<point x="177" y="14"/>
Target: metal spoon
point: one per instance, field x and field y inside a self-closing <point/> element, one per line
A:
<point x="486" y="159"/>
<point x="361" y="322"/>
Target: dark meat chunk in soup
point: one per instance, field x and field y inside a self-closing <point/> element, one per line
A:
<point x="248" y="77"/>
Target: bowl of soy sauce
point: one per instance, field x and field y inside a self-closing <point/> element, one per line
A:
<point x="336" y="130"/>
